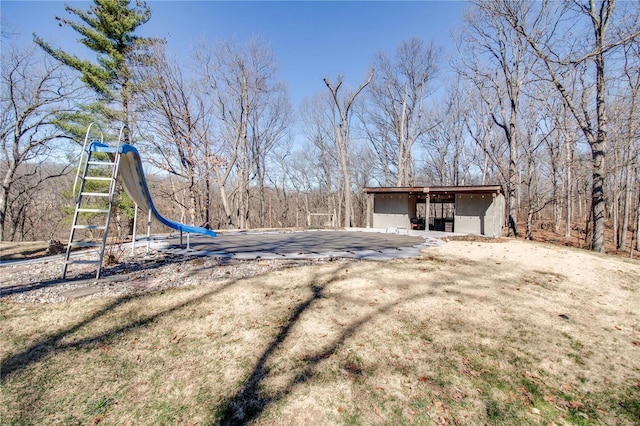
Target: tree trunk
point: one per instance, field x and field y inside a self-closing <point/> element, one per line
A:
<point x="638" y="221"/>
<point x="207" y="202"/>
<point x="513" y="181"/>
<point x="598" y="153"/>
<point x="4" y="196"/>
<point x="225" y="201"/>
<point x="529" y="235"/>
<point x="346" y="175"/>
<point x="342" y="139"/>
<point x="485" y="167"/>
<point x="192" y="198"/>
<point x="568" y="197"/>
<point x="614" y="217"/>
<point x="124" y="93"/>
<point x="622" y="241"/>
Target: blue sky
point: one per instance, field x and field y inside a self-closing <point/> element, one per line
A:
<point x="310" y="39"/>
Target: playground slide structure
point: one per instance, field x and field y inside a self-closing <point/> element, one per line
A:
<point x="125" y="166"/>
<point x="131" y="176"/>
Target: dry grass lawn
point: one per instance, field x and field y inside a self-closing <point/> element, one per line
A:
<point x="10" y="250"/>
<point x="471" y="333"/>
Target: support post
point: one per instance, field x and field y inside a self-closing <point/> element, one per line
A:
<point x="427" y="209"/>
<point x="135" y="225"/>
<point x="493" y="216"/>
<point x="149" y="232"/>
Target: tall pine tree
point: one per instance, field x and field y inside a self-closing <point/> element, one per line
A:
<point x="107" y="28"/>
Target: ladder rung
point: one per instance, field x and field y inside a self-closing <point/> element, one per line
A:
<point x="85" y="244"/>
<point x="82" y="262"/>
<point x="97" y="178"/>
<point x="89" y="227"/>
<point x="93" y="210"/>
<point x="95" y="194"/>
<point x="102" y="163"/>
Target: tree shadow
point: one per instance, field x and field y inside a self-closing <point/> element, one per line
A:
<point x="12" y="364"/>
<point x="250" y="402"/>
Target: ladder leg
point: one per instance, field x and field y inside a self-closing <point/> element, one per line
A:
<point x="75" y="214"/>
<point x="112" y="191"/>
<point x="113" y="163"/>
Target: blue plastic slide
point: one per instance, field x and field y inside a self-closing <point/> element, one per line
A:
<point x="131" y="175"/>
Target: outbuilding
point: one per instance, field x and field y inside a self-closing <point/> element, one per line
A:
<point x="476" y="210"/>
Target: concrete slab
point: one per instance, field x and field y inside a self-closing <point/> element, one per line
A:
<point x="355" y="243"/>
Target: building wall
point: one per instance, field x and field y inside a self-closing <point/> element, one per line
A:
<point x="474" y="213"/>
<point x="393" y="210"/>
<point x="498" y="213"/>
<point x="479" y="214"/>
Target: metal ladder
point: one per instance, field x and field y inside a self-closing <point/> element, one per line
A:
<point x="88" y="164"/>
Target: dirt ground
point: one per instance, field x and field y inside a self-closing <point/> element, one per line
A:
<point x="504" y="332"/>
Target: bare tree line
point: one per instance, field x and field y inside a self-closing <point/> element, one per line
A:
<point x="544" y="101"/>
<point x="35" y="94"/>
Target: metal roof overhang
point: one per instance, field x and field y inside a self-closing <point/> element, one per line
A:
<point x="419" y="190"/>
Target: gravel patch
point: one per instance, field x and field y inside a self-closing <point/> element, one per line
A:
<point x="41" y="283"/>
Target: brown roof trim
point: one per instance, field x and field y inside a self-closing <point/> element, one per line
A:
<point x="468" y="189"/>
<point x="395" y="189"/>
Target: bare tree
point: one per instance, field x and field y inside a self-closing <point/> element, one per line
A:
<point x="342" y="110"/>
<point x="252" y="112"/>
<point x="545" y="28"/>
<point x="269" y="124"/>
<point x="397" y="110"/>
<point x="363" y="158"/>
<point x="35" y="92"/>
<point x="558" y="143"/>
<point x="174" y="117"/>
<point x="480" y="129"/>
<point x="497" y="61"/>
<point x="321" y="155"/>
<point x="536" y="173"/>
<point x="628" y="109"/>
<point x="445" y="141"/>
<point x="35" y="209"/>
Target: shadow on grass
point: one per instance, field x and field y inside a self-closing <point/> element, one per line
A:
<point x="249" y="402"/>
<point x="34" y="353"/>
